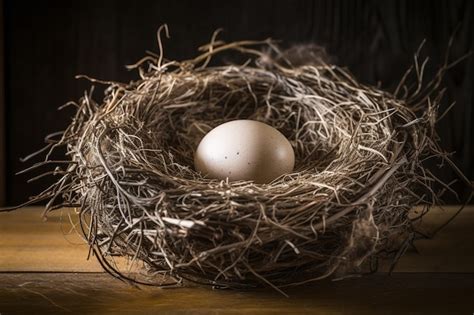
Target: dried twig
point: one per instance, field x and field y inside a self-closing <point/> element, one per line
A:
<point x="359" y="170"/>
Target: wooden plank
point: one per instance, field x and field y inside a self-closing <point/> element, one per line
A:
<point x="2" y="110"/>
<point x="52" y="293"/>
<point x="28" y="244"/>
<point x="450" y="250"/>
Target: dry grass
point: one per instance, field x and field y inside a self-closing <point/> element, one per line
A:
<point x="359" y="152"/>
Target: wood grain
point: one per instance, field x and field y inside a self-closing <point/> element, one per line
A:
<point x="53" y="293"/>
<point x="29" y="244"/>
<point x="43" y="271"/>
<point x="2" y="110"/>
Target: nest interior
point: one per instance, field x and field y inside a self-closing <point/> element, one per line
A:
<point x="359" y="169"/>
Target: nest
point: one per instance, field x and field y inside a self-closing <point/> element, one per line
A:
<point x="359" y="169"/>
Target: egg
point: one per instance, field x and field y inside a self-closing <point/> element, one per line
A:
<point x="244" y="150"/>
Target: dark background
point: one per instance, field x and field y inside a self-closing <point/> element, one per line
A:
<point x="48" y="42"/>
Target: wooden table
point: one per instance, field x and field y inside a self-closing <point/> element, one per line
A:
<point x="43" y="270"/>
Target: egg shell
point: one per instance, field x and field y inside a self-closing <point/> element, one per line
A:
<point x="244" y="150"/>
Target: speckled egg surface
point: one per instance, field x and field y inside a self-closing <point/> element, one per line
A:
<point x="244" y="150"/>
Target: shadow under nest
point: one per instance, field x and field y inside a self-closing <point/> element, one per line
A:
<point x="359" y="169"/>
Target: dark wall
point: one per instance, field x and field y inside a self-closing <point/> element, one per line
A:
<point x="49" y="42"/>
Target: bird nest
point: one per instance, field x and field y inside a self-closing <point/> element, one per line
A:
<point x="358" y="151"/>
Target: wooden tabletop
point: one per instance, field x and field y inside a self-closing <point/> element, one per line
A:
<point x="43" y="270"/>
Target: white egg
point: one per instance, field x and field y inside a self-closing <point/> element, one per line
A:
<point x="244" y="150"/>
